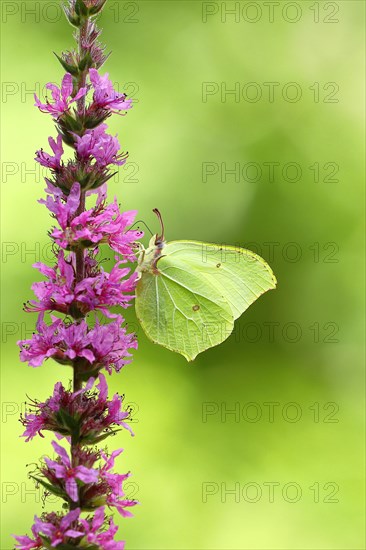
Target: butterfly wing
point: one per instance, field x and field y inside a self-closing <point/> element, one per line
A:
<point x="180" y="310"/>
<point x="189" y="302"/>
<point x="237" y="274"/>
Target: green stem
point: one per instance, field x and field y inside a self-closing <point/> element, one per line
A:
<point x="79" y="254"/>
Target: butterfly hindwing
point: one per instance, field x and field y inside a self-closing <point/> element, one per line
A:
<point x="180" y="310"/>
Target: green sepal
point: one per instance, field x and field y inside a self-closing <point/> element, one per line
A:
<point x="58" y="360"/>
<point x="75" y="21"/>
<point x="71" y="423"/>
<point x="85" y="545"/>
<point x="86" y="62"/>
<point x="84" y="376"/>
<point x="74" y="309"/>
<point x="66" y="546"/>
<point x="67" y="138"/>
<point x="93" y="504"/>
<point x="72" y="124"/>
<point x="80" y="8"/>
<point x="72" y="69"/>
<point x="46" y="542"/>
<point x="94" y="121"/>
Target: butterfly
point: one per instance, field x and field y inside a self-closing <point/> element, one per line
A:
<point x="189" y="293"/>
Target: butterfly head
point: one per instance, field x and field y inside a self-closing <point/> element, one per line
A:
<point x="151" y="255"/>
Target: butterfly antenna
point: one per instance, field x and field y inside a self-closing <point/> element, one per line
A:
<point x="160" y="237"/>
<point x="147" y="227"/>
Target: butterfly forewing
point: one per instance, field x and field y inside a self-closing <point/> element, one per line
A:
<point x="237" y="274"/>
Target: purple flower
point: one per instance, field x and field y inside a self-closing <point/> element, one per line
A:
<point x="61" y="98"/>
<point x="101" y="146"/>
<point x="102" y="224"/>
<point x="104" y="540"/>
<point x="64" y="470"/>
<point x="115" y="413"/>
<point x="104" y="346"/>
<point x="105" y="151"/>
<point x="54" y="163"/>
<point x="105" y="95"/>
<point x="109" y="489"/>
<point x="115" y="481"/>
<point x="56" y="294"/>
<point x="34" y="424"/>
<point x="106" y="290"/>
<point x="56" y="530"/>
<point x="95" y="415"/>
<point x="42" y="345"/>
<point x="99" y="290"/>
<point x="75" y="339"/>
<point x="28" y="543"/>
<point x="64" y="209"/>
<point x="62" y="342"/>
<point x="110" y="344"/>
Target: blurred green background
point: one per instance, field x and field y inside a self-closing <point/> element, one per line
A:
<point x="299" y="348"/>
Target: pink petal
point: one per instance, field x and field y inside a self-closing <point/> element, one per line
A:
<point x="74" y="534"/>
<point x="72" y="489"/>
<point x="103" y="387"/>
<point x="98" y="519"/>
<point x="80" y="94"/>
<point x="88" y="355"/>
<point x="73" y="200"/>
<point x="87" y="475"/>
<point x="62" y="453"/>
<point x="69" y="518"/>
<point x="94" y="77"/>
<point x="66" y="86"/>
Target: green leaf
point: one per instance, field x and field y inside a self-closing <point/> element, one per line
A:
<point x="190" y="293"/>
<point x="93" y="440"/>
<point x="51" y="488"/>
<point x="72" y="69"/>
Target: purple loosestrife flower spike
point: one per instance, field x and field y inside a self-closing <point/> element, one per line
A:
<point x="76" y="326"/>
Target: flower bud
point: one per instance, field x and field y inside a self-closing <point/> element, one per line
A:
<point x="94" y="6"/>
